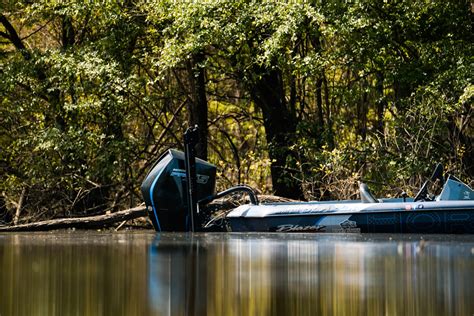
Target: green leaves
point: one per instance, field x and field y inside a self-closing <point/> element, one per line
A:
<point x="373" y="87"/>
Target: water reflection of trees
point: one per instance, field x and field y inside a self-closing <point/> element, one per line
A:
<point x="73" y="274"/>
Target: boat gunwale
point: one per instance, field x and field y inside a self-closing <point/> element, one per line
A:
<point x="403" y="207"/>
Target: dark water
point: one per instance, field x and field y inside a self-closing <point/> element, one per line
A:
<point x="98" y="273"/>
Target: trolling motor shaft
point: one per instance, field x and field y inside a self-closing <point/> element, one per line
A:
<point x="191" y="138"/>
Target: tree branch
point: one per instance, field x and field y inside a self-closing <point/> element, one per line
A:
<point x="36" y="31"/>
<point x="14" y="38"/>
<point x="5" y="35"/>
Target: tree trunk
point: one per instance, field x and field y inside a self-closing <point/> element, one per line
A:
<point x="329" y="127"/>
<point x="20" y="205"/>
<point x="362" y="110"/>
<point x="197" y="108"/>
<point x="319" y="103"/>
<point x="267" y="91"/>
<point x="381" y="103"/>
<point x="68" y="35"/>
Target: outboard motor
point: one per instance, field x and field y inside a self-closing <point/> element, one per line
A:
<point x="165" y="190"/>
<point x="178" y="184"/>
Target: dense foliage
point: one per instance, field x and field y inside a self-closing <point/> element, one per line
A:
<point x="298" y="99"/>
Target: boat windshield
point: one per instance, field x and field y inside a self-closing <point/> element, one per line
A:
<point x="455" y="189"/>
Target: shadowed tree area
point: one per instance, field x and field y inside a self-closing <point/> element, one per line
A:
<point x="296" y="99"/>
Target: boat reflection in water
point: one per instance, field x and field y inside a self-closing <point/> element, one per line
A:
<point x="310" y="274"/>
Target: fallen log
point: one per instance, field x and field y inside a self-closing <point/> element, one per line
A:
<point x="88" y="222"/>
<point x="216" y="208"/>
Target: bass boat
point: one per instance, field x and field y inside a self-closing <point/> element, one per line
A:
<point x="179" y="188"/>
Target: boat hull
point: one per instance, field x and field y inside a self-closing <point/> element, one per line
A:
<point x="459" y="220"/>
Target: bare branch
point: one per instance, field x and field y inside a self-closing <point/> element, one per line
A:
<point x="36" y="31"/>
<point x="14" y="38"/>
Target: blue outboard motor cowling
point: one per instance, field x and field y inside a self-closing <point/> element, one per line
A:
<point x="165" y="190"/>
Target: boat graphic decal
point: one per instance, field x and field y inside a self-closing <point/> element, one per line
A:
<point x="299" y="228"/>
<point x="181" y="173"/>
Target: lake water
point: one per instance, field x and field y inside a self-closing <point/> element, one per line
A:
<point x="143" y="273"/>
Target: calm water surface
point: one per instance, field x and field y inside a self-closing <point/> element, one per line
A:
<point x="142" y="273"/>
